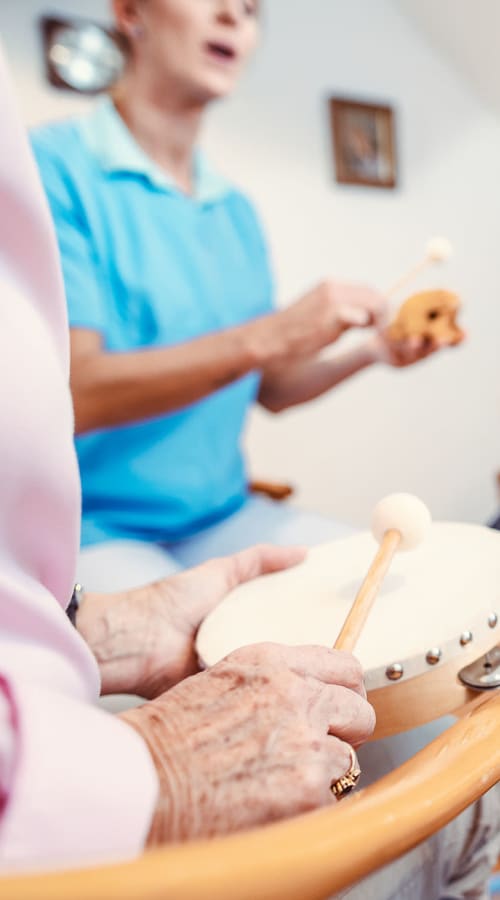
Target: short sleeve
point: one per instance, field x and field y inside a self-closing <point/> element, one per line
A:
<point x="252" y="235"/>
<point x="262" y="254"/>
<point x="79" y="260"/>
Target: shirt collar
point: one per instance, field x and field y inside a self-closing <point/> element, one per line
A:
<point x="110" y="141"/>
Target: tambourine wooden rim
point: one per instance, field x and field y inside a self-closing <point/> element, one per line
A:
<point x="462" y="648"/>
<point x="417" y="696"/>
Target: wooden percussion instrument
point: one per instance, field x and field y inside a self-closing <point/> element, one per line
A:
<point x="436" y="616"/>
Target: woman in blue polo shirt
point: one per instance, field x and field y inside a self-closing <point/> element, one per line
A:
<point x="170" y="296"/>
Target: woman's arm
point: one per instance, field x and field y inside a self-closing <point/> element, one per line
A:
<point x="79" y="786"/>
<point x="290" y="386"/>
<point x="112" y="389"/>
<point x="282" y="387"/>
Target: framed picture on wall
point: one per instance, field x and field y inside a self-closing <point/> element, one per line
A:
<point x="364" y="143"/>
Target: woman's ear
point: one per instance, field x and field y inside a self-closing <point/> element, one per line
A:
<point x="127" y="18"/>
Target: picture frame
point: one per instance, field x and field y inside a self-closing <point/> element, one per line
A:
<point x="364" y="143"/>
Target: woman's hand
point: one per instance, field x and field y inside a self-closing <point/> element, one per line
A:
<point x="143" y="639"/>
<point x="315" y="321"/>
<point x="401" y="354"/>
<point x="258" y="737"/>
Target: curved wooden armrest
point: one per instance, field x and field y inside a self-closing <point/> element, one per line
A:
<point x="312" y="856"/>
<point x="271" y="489"/>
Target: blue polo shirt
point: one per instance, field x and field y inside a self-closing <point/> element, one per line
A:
<point x="148" y="266"/>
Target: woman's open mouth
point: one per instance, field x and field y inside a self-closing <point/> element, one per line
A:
<point x="222" y="53"/>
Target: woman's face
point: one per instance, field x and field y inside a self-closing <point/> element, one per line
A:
<point x="198" y="46"/>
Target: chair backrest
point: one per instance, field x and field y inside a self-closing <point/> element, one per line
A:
<point x="313" y="856"/>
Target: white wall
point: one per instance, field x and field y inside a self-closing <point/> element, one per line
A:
<point x="467" y="33"/>
<point x="432" y="430"/>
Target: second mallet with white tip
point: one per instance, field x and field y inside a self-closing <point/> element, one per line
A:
<point x="438" y="250"/>
<point x="399" y="522"/>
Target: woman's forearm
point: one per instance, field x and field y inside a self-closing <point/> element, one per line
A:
<point x="112" y="389"/>
<point x="295" y="384"/>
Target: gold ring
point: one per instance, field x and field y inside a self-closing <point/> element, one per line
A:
<point x="343" y="786"/>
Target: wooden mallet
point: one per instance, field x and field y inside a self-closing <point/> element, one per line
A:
<point x="438" y="250"/>
<point x="399" y="522"/>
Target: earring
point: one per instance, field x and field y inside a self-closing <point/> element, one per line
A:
<point x="137" y="32"/>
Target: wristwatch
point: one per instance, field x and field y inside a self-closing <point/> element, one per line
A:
<point x="74" y="603"/>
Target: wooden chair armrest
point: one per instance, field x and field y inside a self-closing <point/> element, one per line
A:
<point x="313" y="856"/>
<point x="271" y="489"/>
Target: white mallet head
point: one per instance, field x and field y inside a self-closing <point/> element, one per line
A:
<point x="439" y="249"/>
<point x="404" y="513"/>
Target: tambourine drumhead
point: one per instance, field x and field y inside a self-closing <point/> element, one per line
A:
<point x="431" y="598"/>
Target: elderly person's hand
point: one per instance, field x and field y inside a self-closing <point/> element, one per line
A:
<point x="258" y="737"/>
<point x="143" y="639"/>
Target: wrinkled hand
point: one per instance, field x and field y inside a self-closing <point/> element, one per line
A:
<point x="143" y="639"/>
<point x="401" y="354"/>
<point x="258" y="737"/>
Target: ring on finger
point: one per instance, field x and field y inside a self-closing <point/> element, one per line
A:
<point x="340" y="787"/>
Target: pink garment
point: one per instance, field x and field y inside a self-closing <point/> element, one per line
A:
<point x="77" y="785"/>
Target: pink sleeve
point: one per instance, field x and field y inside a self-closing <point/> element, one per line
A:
<point x="8" y="742"/>
<point x="77" y="785"/>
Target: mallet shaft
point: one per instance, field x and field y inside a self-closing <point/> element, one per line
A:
<point x="367" y="594"/>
